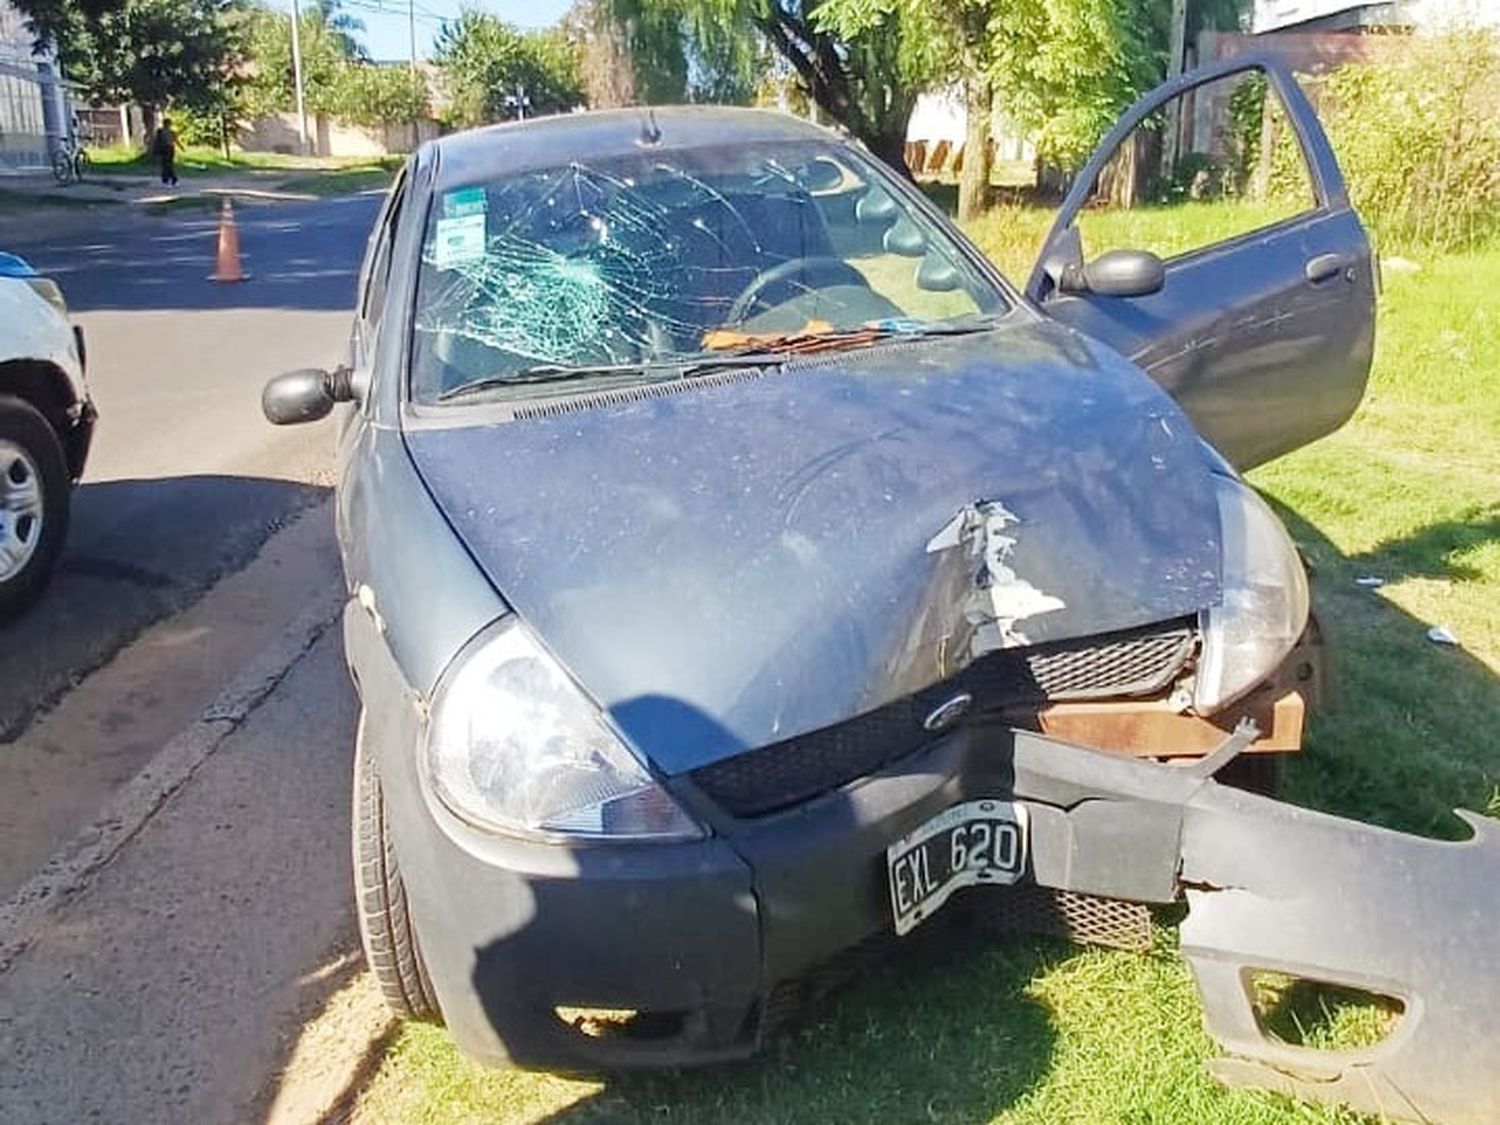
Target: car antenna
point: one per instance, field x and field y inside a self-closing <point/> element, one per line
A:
<point x="650" y="130"/>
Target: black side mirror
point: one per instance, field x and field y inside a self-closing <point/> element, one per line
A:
<point x="1116" y="273"/>
<point x="305" y="395"/>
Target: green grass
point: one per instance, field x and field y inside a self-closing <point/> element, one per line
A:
<point x="340" y="181"/>
<point x="1409" y="490"/>
<point x="195" y="161"/>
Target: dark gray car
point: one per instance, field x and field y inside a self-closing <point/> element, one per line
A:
<point x="739" y="567"/>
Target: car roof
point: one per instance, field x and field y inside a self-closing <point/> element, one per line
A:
<point x="548" y="142"/>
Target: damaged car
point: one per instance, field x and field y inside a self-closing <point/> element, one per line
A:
<point x="743" y="573"/>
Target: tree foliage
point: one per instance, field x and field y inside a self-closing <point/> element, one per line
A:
<point x="337" y="78"/>
<point x="867" y="82"/>
<point x="155" y="53"/>
<point x="486" y="63"/>
<point x="673" y="52"/>
<point x="1062" y="70"/>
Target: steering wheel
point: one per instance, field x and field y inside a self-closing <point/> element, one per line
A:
<point x="816" y="272"/>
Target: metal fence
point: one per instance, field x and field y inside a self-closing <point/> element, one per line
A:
<point x="33" y="100"/>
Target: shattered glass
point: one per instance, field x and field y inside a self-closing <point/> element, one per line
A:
<point x="647" y="260"/>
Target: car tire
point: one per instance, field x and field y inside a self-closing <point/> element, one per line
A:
<point x="33" y="522"/>
<point x="385" y="928"/>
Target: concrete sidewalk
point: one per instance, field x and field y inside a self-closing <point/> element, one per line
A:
<point x="175" y="984"/>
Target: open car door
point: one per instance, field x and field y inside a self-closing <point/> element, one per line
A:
<point x="1211" y="240"/>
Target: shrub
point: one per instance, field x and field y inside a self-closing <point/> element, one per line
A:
<point x="1418" y="137"/>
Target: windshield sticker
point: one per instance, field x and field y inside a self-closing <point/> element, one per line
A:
<point x="459" y="241"/>
<point x="465" y="201"/>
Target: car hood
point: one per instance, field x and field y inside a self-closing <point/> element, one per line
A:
<point x="731" y="561"/>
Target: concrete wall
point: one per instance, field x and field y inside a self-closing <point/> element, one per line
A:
<point x="278" y="132"/>
<point x="1306" y="52"/>
<point x="935" y="133"/>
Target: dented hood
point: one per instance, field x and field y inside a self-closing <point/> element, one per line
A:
<point x="744" y="559"/>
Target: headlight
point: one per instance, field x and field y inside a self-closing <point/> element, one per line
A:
<point x="47" y="290"/>
<point x="1265" y="604"/>
<point x="514" y="745"/>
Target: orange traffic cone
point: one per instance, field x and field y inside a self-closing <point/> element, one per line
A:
<point x="227" y="265"/>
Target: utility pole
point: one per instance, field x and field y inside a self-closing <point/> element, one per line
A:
<point x="297" y="78"/>
<point x="1176" y="49"/>
<point x="411" y="27"/>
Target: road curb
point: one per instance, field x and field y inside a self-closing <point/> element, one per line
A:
<point x="68" y="870"/>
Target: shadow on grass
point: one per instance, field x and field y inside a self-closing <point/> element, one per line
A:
<point x="1406" y="734"/>
<point x="912" y="1040"/>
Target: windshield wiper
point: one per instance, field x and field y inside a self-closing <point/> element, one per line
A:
<point x="561" y="372"/>
<point x="770" y="352"/>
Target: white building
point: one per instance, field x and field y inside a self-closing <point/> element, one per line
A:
<point x="33" y="103"/>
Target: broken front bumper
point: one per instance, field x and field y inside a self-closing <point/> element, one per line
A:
<point x="1276" y="889"/>
<point x="721" y="931"/>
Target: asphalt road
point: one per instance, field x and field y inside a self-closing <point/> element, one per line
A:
<point x="176" y="938"/>
<point x="186" y="479"/>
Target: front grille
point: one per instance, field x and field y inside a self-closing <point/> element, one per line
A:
<point x="1139" y="664"/>
<point x="1130" y="663"/>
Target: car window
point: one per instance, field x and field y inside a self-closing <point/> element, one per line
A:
<point x="659" y="258"/>
<point x="379" y="273"/>
<point x="1218" y="161"/>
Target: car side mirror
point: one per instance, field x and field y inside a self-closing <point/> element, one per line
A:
<point x="1116" y="273"/>
<point x="305" y="395"/>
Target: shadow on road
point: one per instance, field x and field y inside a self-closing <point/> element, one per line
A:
<point x="137" y="551"/>
<point x="298" y="256"/>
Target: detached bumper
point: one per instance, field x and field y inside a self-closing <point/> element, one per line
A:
<point x="701" y="939"/>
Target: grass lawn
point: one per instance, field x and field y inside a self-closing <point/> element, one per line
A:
<point x="340" y="181"/>
<point x="1036" y="1032"/>
<point x="308" y="175"/>
<point x="195" y="160"/>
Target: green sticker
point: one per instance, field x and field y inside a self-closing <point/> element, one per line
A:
<point x="458" y="241"/>
<point x="465" y="201"/>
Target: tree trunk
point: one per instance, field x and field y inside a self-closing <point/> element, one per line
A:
<point x="890" y="146"/>
<point x="978" y="159"/>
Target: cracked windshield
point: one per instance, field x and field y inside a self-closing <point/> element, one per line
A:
<point x="656" y="264"/>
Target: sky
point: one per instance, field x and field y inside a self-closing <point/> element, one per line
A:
<point x="387" y="34"/>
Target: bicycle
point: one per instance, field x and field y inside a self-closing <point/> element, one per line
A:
<point x="70" y="161"/>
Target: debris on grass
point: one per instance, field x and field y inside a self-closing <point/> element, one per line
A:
<point x="1441" y="635"/>
<point x="1370" y="581"/>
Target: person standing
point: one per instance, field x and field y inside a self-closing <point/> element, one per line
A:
<point x="164" y="150"/>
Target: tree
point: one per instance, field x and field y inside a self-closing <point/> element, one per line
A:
<point x="653" y="52"/>
<point x="338" y="25"/>
<point x="268" y="49"/>
<point x="486" y="63"/>
<point x="156" y="53"/>
<point x="1061" y="69"/>
<point x="868" y="83"/>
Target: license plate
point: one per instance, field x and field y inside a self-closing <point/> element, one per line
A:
<point x="976" y="842"/>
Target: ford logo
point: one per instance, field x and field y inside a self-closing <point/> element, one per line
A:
<point x="945" y="714"/>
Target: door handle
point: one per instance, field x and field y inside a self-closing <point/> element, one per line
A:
<point x="1324" y="266"/>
